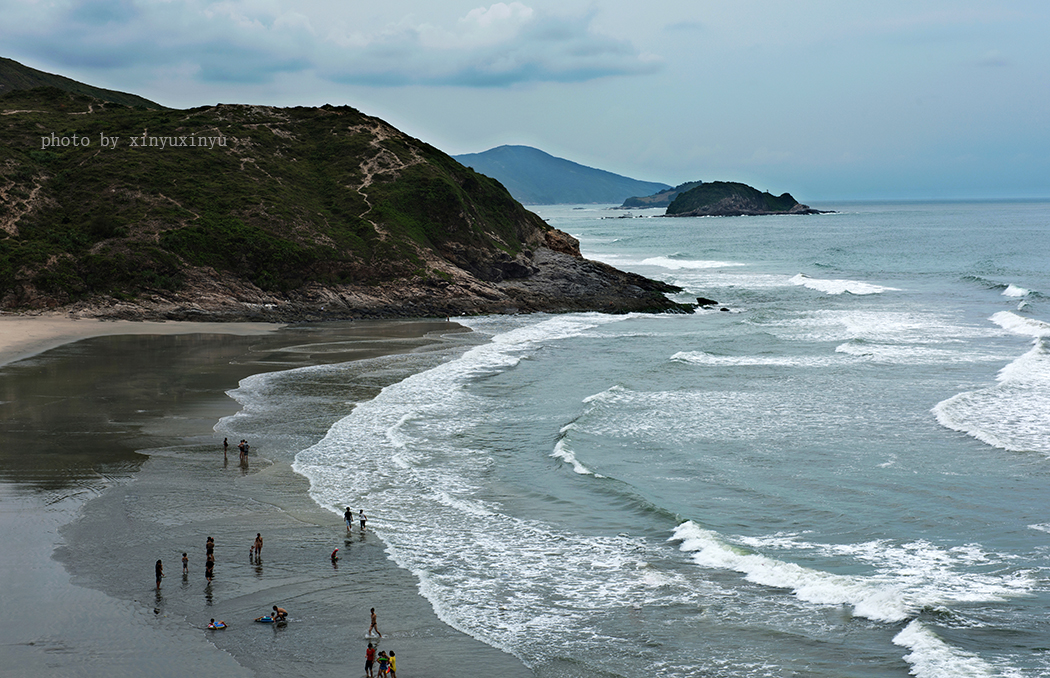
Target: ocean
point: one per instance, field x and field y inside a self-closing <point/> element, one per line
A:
<point x="841" y="469"/>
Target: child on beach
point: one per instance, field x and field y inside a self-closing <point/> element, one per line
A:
<point x="362" y="518"/>
<point x="384" y="663"/>
<point x="393" y="665"/>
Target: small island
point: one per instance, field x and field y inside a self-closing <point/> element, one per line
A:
<point x="721" y="199"/>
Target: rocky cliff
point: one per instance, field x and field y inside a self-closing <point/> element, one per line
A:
<point x="251" y="212"/>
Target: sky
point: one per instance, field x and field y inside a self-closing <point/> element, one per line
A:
<point x="827" y="100"/>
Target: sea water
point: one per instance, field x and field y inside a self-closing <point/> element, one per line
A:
<point x="841" y="469"/>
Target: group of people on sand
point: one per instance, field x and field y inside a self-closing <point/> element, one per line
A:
<point x="387" y="663"/>
<point x="348" y="518"/>
<point x="243" y="446"/>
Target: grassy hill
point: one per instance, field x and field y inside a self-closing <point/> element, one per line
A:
<point x="537" y="178"/>
<point x="99" y="198"/>
<point x="15" y="76"/>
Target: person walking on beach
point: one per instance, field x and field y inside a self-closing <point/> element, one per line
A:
<point x="373" y="625"/>
<point x="361" y="517"/>
<point x="258" y="545"/>
<point x="370" y="658"/>
<point x="160" y="573"/>
<point x="348" y="518"/>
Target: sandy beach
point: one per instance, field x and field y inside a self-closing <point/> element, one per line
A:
<point x="111" y="461"/>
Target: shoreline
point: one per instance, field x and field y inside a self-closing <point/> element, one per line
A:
<point x="24" y="336"/>
<point x="179" y="492"/>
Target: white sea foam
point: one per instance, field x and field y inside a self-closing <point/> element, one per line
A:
<point x="839" y="286"/>
<point x="487" y="573"/>
<point x="704" y="358"/>
<point x="677" y="264"/>
<point x="1012" y="413"/>
<point x="564" y="452"/>
<point x="1011" y="322"/>
<point x="905" y="578"/>
<point x="931" y="657"/>
<point x="1015" y="291"/>
<point x="877" y="327"/>
<point x="914" y="354"/>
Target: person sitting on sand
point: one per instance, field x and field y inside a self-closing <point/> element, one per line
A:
<point x="279" y="613"/>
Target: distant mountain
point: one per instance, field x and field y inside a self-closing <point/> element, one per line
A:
<point x="537" y="178"/>
<point x="660" y="199"/>
<point x="731" y="199"/>
<point x="15" y="76"/>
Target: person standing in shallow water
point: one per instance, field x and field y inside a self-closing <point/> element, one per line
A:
<point x="362" y="518"/>
<point x="258" y="545"/>
<point x="348" y="518"/>
<point x="160" y="573"/>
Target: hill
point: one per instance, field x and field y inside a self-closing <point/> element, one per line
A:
<point x="15" y="76"/>
<point x="728" y="198"/>
<point x="537" y="178"/>
<point x="251" y="212"/>
<point x="660" y="198"/>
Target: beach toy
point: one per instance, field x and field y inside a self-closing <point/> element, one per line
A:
<point x="266" y="619"/>
<point x="217" y="625"/>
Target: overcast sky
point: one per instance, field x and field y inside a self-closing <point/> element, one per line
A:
<point x="827" y="100"/>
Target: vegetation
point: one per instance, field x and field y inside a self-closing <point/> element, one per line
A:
<point x="728" y="196"/>
<point x="102" y="198"/>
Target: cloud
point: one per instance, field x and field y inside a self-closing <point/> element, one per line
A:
<point x="251" y="41"/>
<point x="500" y="45"/>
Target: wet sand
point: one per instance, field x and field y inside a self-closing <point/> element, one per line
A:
<point x="85" y="516"/>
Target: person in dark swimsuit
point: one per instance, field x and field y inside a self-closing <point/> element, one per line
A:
<point x="160" y="572"/>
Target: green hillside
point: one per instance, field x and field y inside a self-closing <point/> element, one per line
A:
<point x="15" y="76"/>
<point x="98" y="198"/>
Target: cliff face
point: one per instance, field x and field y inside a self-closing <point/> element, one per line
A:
<point x="725" y="198"/>
<point x="233" y="212"/>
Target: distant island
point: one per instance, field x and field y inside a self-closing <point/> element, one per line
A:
<point x="660" y="198"/>
<point x="534" y="177"/>
<point x="720" y="199"/>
